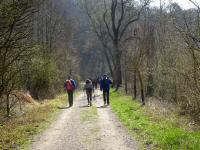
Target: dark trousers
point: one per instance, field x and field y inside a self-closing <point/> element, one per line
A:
<point x="70" y="98"/>
<point x="89" y="96"/>
<point x="106" y="97"/>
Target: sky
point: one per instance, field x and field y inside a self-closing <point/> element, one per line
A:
<point x="185" y="4"/>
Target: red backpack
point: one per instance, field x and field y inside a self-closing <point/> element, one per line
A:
<point x="69" y="86"/>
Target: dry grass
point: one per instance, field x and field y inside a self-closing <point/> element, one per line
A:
<point x="17" y="132"/>
<point x="25" y="98"/>
<point x="171" y="113"/>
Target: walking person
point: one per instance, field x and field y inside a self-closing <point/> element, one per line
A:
<point x="70" y="87"/>
<point x="95" y="82"/>
<point x="89" y="89"/>
<point x="105" y="87"/>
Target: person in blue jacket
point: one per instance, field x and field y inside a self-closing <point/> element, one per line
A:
<point x="105" y="87"/>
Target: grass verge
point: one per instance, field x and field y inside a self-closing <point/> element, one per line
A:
<point x="153" y="131"/>
<point x="18" y="132"/>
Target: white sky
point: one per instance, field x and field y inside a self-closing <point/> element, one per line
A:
<point x="185" y="4"/>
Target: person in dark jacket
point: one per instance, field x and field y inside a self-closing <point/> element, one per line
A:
<point x="105" y="87"/>
<point x="89" y="88"/>
<point x="70" y="87"/>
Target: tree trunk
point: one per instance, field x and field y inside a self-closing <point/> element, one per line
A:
<point x="125" y="82"/>
<point x="109" y="63"/>
<point x="135" y="84"/>
<point x="8" y="105"/>
<point x="150" y="86"/>
<point x="125" y="75"/>
<point x="118" y="72"/>
<point x="141" y="87"/>
<point x="150" y="60"/>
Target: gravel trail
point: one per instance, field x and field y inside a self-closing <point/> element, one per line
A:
<point x="77" y="128"/>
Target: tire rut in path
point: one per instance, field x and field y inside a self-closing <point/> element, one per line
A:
<point x="114" y="135"/>
<point x="71" y="132"/>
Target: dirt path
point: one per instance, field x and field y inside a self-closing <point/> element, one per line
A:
<point x="85" y="128"/>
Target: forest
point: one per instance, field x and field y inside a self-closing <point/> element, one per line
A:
<point x="150" y="53"/>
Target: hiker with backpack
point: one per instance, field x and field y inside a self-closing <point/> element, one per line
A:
<point x="70" y="87"/>
<point x="88" y="87"/>
<point x="105" y="87"/>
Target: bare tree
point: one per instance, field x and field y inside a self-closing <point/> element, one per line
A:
<point x="14" y="49"/>
<point x="112" y="23"/>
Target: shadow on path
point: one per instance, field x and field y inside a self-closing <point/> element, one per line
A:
<point x="64" y="107"/>
<point x="84" y="106"/>
<point x="104" y="106"/>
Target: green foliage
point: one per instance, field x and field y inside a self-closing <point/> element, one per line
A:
<point x="161" y="133"/>
<point x="44" y="74"/>
<point x="17" y="132"/>
<point x="40" y="75"/>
